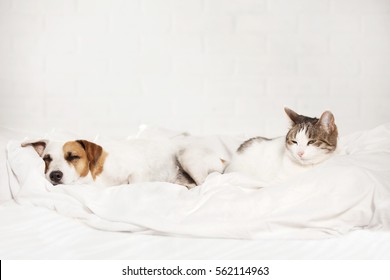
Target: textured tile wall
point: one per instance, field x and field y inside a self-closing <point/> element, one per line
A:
<point x="206" y="66"/>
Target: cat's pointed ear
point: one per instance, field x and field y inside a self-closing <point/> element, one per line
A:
<point x="327" y="121"/>
<point x="294" y="117"/>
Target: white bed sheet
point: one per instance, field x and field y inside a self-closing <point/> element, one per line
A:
<point x="6" y="135"/>
<point x="30" y="232"/>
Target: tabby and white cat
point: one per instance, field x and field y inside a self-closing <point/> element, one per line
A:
<point x="308" y="142"/>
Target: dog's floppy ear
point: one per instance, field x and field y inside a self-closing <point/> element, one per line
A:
<point x="39" y="145"/>
<point x="93" y="151"/>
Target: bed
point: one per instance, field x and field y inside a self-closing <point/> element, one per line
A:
<point x="338" y="210"/>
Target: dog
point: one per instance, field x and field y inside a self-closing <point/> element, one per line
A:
<point x="128" y="162"/>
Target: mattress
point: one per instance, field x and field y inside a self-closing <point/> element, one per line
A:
<point x="229" y="217"/>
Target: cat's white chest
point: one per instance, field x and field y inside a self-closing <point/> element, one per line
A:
<point x="266" y="161"/>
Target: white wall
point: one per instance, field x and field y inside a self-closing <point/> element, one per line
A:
<point x="206" y="66"/>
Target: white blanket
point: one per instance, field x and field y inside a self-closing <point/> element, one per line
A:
<point x="348" y="192"/>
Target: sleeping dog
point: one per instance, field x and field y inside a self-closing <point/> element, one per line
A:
<point x="132" y="161"/>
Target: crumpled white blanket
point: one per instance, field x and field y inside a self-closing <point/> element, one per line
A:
<point x="348" y="192"/>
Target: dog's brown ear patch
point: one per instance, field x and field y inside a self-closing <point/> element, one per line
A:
<point x="39" y="146"/>
<point x="96" y="156"/>
<point x="92" y="150"/>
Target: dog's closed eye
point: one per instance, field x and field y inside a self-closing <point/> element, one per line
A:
<point x="72" y="157"/>
<point x="47" y="158"/>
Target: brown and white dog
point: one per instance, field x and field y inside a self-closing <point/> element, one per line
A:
<point x="132" y="161"/>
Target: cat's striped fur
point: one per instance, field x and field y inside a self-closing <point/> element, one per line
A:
<point x="309" y="141"/>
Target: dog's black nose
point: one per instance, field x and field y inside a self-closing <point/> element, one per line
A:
<point x="56" y="176"/>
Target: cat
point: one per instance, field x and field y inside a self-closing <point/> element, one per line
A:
<point x="309" y="142"/>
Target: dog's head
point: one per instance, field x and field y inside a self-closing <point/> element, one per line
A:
<point x="70" y="162"/>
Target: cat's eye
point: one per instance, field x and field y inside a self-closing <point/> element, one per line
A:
<point x="295" y="142"/>
<point x="311" y="142"/>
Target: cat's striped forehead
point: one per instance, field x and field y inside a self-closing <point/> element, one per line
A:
<point x="313" y="131"/>
<point x="308" y="128"/>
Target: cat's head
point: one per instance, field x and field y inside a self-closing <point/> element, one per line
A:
<point x="311" y="140"/>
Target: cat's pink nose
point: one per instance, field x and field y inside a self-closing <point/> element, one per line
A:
<point x="300" y="153"/>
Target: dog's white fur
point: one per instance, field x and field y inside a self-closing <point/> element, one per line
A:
<point x="131" y="161"/>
